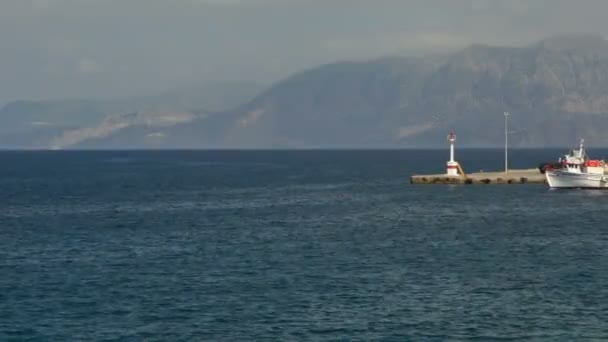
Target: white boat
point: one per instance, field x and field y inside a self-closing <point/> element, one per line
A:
<point x="578" y="171"/>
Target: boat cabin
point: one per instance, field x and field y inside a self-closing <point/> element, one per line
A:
<point x="578" y="162"/>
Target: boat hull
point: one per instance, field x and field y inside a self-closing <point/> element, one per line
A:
<point x="571" y="180"/>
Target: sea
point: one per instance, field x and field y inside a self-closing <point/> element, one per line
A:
<point x="321" y="245"/>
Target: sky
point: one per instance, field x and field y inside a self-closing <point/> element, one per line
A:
<point x="52" y="49"/>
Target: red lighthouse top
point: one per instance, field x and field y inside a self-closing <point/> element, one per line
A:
<point x="451" y="137"/>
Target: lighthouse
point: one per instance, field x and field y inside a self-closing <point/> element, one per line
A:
<point x="452" y="165"/>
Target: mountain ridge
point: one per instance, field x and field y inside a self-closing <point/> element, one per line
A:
<point x="556" y="91"/>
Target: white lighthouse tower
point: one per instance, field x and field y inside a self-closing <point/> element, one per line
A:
<point x="452" y="165"/>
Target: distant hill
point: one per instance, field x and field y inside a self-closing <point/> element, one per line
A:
<point x="556" y="91"/>
<point x="66" y="123"/>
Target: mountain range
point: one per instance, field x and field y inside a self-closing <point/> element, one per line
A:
<point x="555" y="90"/>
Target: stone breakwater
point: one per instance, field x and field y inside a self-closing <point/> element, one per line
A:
<point x="529" y="176"/>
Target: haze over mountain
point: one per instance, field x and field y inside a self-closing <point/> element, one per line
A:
<point x="336" y="73"/>
<point x="556" y="91"/>
<point x="58" y="49"/>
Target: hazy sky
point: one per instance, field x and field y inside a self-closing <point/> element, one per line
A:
<point x="102" y="48"/>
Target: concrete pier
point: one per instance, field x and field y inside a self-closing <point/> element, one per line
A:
<point x="529" y="176"/>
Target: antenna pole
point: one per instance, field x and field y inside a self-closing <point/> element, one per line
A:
<point x="506" y="142"/>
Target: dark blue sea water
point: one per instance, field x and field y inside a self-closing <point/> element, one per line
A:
<point x="294" y="245"/>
